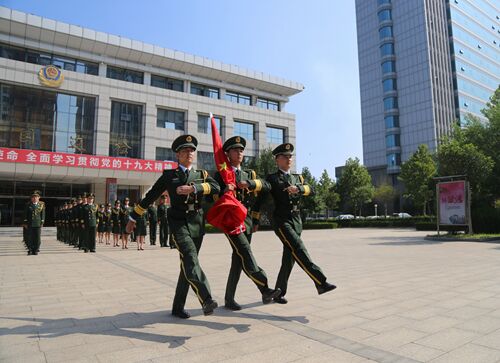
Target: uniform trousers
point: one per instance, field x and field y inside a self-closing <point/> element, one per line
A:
<point x="191" y="273"/>
<point x="294" y="250"/>
<point x="243" y="259"/>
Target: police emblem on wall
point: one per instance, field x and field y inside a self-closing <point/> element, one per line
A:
<point x="51" y="76"/>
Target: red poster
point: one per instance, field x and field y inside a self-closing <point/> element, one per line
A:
<point x="452" y="203"/>
<point x="38" y="157"/>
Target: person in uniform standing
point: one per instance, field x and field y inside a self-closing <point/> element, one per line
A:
<point x="287" y="189"/>
<point x="124" y="218"/>
<point x="34" y="218"/>
<point x="186" y="188"/>
<point x="106" y="217"/>
<point x="116" y="227"/>
<point x="89" y="225"/>
<point x="246" y="189"/>
<point x="140" y="229"/>
<point x="163" y="221"/>
<point x="101" y="226"/>
<point x="153" y="221"/>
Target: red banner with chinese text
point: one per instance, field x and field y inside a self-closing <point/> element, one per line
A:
<point x="37" y="157"/>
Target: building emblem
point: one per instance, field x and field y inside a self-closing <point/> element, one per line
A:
<point x="50" y="76"/>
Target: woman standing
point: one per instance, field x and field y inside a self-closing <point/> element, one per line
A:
<point x="107" y="223"/>
<point x="100" y="223"/>
<point x="116" y="223"/>
<point x="124" y="218"/>
<point x="140" y="231"/>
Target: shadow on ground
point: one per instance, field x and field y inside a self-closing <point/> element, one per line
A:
<point x="126" y="325"/>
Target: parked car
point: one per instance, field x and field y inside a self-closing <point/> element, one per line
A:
<point x="401" y="215"/>
<point x="345" y="216"/>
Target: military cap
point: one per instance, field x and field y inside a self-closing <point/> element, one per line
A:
<point x="117" y="201"/>
<point x="126" y="199"/>
<point x="35" y="193"/>
<point x="108" y="204"/>
<point x="184" y="141"/>
<point x="84" y="195"/>
<point x="283" y="149"/>
<point x="90" y="195"/>
<point x="101" y="206"/>
<point x="79" y="197"/>
<point x="72" y="200"/>
<point x="234" y="142"/>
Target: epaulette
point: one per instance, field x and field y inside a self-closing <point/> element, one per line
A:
<point x="253" y="174"/>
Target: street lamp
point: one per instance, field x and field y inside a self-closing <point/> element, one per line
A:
<point x="376" y="210"/>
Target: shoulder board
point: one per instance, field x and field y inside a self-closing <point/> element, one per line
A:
<point x="252" y="173"/>
<point x="301" y="178"/>
<point x="41" y="203"/>
<point x="204" y="173"/>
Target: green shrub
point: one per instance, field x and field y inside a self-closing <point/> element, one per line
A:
<point x="485" y="219"/>
<point x="425" y="226"/>
<point x="319" y="225"/>
<point x="386" y="222"/>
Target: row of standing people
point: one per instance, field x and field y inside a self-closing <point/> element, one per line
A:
<point x="188" y="188"/>
<point x="80" y="222"/>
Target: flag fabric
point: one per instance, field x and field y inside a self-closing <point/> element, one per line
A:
<point x="227" y="213"/>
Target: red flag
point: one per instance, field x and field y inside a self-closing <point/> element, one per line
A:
<point x="227" y="213"/>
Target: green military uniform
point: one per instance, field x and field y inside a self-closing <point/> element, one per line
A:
<point x="153" y="221"/>
<point x="187" y="225"/>
<point x="89" y="226"/>
<point x="115" y="220"/>
<point x="57" y="218"/>
<point x="34" y="217"/>
<point x="163" y="222"/>
<point x="124" y="214"/>
<point x="287" y="225"/>
<point x="78" y="221"/>
<point x="242" y="257"/>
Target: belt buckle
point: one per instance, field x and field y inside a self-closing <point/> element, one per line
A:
<point x="191" y="207"/>
<point x="295" y="208"/>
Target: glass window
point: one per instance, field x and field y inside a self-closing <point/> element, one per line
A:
<point x="385" y="32"/>
<point x="391" y="121"/>
<point x="167" y="83"/>
<point x="392" y="141"/>
<point x="387" y="49"/>
<point x="206" y="91"/>
<point x="165" y="154"/>
<point x="382" y="2"/>
<point x="238" y="98"/>
<point x="205" y="125"/>
<point x="170" y="119"/>
<point x="268" y="104"/>
<point x="275" y="135"/>
<point x="244" y="129"/>
<point x="36" y="57"/>
<point x="384" y="15"/>
<point x="205" y="160"/>
<point x="125" y="130"/>
<point x="388" y="67"/>
<point x="389" y="85"/>
<point x="45" y="120"/>
<point x="126" y="75"/>
<point x="394" y="159"/>
<point x="390" y="103"/>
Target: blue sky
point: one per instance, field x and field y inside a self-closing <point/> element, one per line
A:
<point x="313" y="43"/>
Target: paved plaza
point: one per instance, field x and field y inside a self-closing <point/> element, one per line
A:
<point x="400" y="298"/>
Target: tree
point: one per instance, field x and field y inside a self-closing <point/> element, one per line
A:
<point x="354" y="185"/>
<point x="417" y="174"/>
<point x="455" y="157"/>
<point x="384" y="195"/>
<point x="312" y="203"/>
<point x="328" y="197"/>
<point x="263" y="164"/>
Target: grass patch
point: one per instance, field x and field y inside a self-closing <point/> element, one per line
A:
<point x="465" y="237"/>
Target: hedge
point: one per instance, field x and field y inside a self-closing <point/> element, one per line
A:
<point x="385" y="223"/>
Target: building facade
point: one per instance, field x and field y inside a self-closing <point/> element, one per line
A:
<point x="83" y="110"/>
<point x="424" y="66"/>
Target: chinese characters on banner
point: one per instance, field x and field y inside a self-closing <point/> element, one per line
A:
<point x="38" y="157"/>
<point x="452" y="205"/>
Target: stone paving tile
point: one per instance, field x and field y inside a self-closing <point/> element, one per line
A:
<point x="418" y="352"/>
<point x="448" y="339"/>
<point x="470" y="353"/>
<point x="399" y="299"/>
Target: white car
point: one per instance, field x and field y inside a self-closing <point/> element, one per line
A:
<point x="345" y="216"/>
<point x="401" y="215"/>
